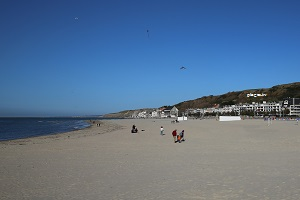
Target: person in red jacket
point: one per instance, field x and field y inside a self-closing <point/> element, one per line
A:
<point x="174" y="133"/>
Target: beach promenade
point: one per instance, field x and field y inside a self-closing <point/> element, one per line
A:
<point x="219" y="160"/>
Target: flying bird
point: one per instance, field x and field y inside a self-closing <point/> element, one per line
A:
<point x="148" y="33"/>
<point x="182" y="67"/>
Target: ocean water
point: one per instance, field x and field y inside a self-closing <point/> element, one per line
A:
<point x="17" y="128"/>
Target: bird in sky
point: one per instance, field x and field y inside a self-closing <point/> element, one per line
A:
<point x="148" y="33"/>
<point x="182" y="67"/>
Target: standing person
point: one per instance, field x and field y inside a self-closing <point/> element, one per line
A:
<point x="174" y="133"/>
<point x="182" y="135"/>
<point x="161" y="130"/>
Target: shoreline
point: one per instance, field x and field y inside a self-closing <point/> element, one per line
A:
<point x="105" y="127"/>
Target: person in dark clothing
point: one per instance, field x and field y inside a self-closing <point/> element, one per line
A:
<point x="182" y="135"/>
<point x="134" y="129"/>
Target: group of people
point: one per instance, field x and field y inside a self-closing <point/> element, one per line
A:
<point x="178" y="137"/>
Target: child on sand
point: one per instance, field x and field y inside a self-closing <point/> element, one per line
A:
<point x="179" y="138"/>
<point x="161" y="130"/>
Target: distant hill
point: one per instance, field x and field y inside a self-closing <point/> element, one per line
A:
<point x="127" y="113"/>
<point x="274" y="94"/>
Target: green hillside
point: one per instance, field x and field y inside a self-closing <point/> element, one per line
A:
<point x="274" y="94"/>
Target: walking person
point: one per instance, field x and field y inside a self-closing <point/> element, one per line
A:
<point x="174" y="133"/>
<point x="182" y="135"/>
<point x="161" y="130"/>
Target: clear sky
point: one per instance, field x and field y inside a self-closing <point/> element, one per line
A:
<point x="73" y="57"/>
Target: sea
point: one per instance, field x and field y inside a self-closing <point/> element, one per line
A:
<point x="23" y="127"/>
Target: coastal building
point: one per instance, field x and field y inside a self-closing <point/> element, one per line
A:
<point x="293" y="105"/>
<point x="174" y="112"/>
<point x="142" y="114"/>
<point x="288" y="107"/>
<point x="170" y="111"/>
<point x="295" y="110"/>
<point x="155" y="114"/>
<point x="260" y="107"/>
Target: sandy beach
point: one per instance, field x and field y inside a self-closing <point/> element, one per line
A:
<point x="219" y="160"/>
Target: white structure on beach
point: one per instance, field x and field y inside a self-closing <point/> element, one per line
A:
<point x="183" y="118"/>
<point x="229" y="118"/>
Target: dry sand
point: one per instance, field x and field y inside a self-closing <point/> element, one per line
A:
<point x="219" y="160"/>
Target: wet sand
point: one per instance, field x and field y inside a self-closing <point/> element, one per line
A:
<point x="219" y="160"/>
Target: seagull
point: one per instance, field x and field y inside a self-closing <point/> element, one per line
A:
<point x="182" y="67"/>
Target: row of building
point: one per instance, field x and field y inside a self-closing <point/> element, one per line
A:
<point x="289" y="106"/>
<point x="166" y="112"/>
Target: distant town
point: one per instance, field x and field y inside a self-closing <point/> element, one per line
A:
<point x="288" y="107"/>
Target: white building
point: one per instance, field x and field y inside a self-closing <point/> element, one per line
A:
<point x="170" y="111"/>
<point x="292" y="104"/>
<point x="260" y="107"/>
<point x="154" y="114"/>
<point x="294" y="110"/>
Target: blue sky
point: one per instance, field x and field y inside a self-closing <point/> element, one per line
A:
<point x="72" y="57"/>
